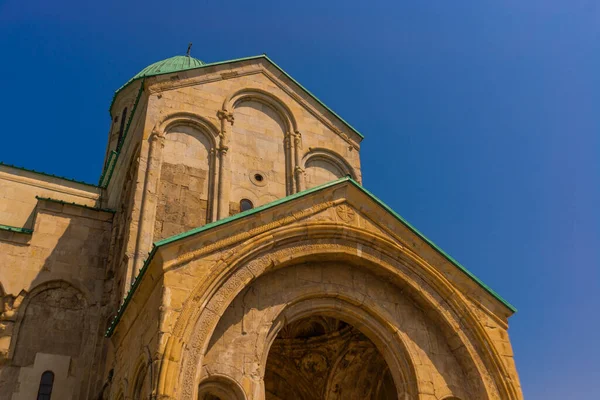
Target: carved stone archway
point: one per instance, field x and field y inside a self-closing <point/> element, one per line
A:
<point x="356" y="318"/>
<point x="191" y="334"/>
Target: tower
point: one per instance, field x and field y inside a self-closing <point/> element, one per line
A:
<point x="238" y="256"/>
<point x="208" y="140"/>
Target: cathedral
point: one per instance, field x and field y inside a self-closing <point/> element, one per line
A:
<point x="230" y="251"/>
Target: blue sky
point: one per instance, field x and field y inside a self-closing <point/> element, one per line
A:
<point x="481" y="121"/>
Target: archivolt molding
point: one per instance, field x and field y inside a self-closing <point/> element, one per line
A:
<point x="262" y="96"/>
<point x="299" y="243"/>
<point x="169" y="121"/>
<point x="331" y="157"/>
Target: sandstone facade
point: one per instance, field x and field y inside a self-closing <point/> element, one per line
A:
<point x="230" y="252"/>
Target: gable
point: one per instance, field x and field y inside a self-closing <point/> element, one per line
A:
<point x="218" y="81"/>
<point x="340" y="203"/>
<point x="232" y="68"/>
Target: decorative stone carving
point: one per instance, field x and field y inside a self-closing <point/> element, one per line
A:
<point x="226" y="115"/>
<point x="345" y="212"/>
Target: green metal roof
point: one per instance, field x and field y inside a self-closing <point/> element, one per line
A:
<point x="137" y="279"/>
<point x="15" y="229"/>
<point x="173" y="64"/>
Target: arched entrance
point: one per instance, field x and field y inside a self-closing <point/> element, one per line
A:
<point x="322" y="357"/>
<point x="297" y="304"/>
<point x="236" y="327"/>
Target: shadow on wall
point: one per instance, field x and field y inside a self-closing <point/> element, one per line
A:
<point x="55" y="323"/>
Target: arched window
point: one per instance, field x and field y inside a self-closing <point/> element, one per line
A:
<point x="46" y="382"/>
<point x="246" y="205"/>
<point x="122" y="128"/>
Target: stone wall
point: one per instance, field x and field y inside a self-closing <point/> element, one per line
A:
<point x="54" y="282"/>
<point x="19" y="188"/>
<point x="257" y="148"/>
<point x="183" y="190"/>
<point x="203" y="318"/>
<point x="201" y="138"/>
<point x="52" y="323"/>
<point x="334" y="253"/>
<point x="242" y="335"/>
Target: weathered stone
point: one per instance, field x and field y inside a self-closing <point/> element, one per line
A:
<point x="325" y="295"/>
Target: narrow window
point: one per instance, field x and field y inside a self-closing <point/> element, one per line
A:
<point x="45" y="390"/>
<point x="245" y="205"/>
<point x="122" y="128"/>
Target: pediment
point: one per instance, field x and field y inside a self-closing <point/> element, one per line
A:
<point x="259" y="73"/>
<point x="341" y="203"/>
<point x="342" y="206"/>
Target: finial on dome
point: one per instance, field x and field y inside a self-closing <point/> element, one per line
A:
<point x="189" y="49"/>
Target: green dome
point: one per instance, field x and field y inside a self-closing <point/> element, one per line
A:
<point x="173" y="64"/>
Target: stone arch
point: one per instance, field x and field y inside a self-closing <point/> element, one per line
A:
<point x="189" y="119"/>
<point x="76" y="303"/>
<point x="258" y="256"/>
<point x="323" y="165"/>
<point x="303" y="298"/>
<point x="270" y="122"/>
<point x="220" y="387"/>
<point x="367" y="320"/>
<point x="264" y="97"/>
<point x="187" y="173"/>
<point x="140" y="386"/>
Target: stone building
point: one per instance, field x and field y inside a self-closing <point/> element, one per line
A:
<point x="230" y="251"/>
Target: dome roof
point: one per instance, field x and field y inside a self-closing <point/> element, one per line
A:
<point x="173" y="64"/>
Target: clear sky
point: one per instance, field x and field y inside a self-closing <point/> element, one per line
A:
<point x="481" y="121"/>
